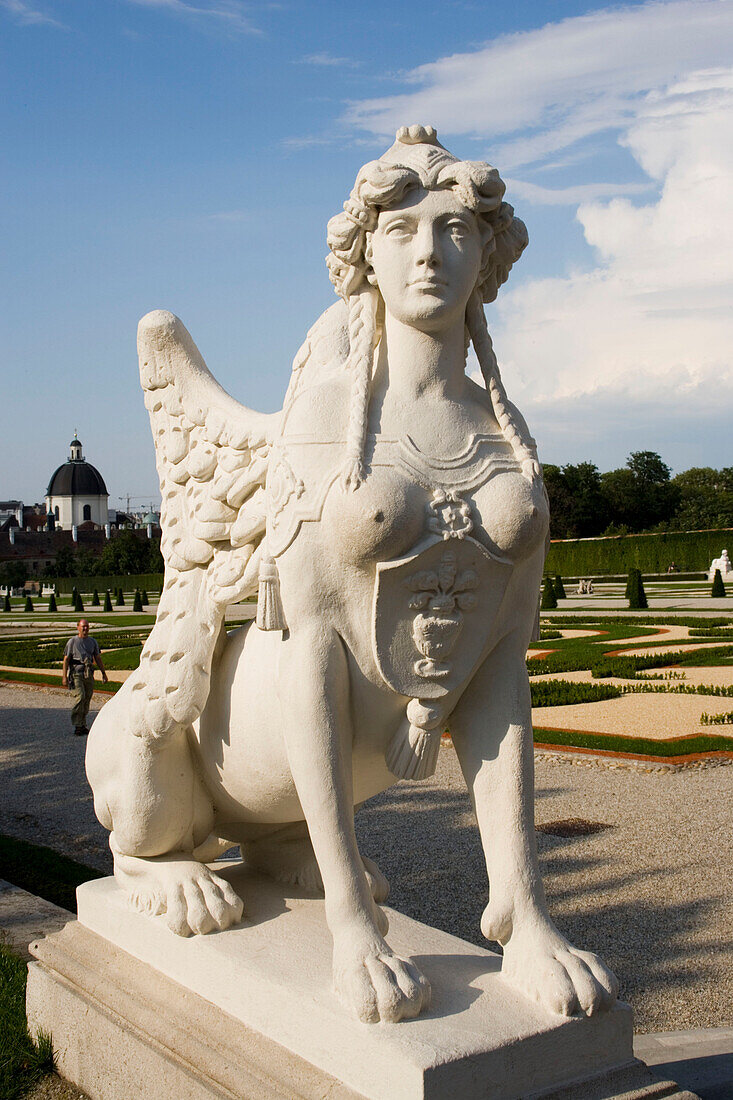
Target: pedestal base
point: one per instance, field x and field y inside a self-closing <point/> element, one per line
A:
<point x="249" y="1015"/>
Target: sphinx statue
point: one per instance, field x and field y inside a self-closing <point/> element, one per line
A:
<point x="392" y="523"/>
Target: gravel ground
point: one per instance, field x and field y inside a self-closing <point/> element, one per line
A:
<point x="659" y="716"/>
<point x="651" y="893"/>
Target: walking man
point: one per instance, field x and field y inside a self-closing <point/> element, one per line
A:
<point x="80" y="655"/>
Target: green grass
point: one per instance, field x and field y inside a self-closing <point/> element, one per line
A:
<point x="632" y="618"/>
<point x="126" y="658"/>
<point x="46" y="652"/>
<point x="641" y="746"/>
<point x="43" y="872"/>
<point x="581" y="654"/>
<point x="23" y="1060"/>
<point x="51" y="680"/>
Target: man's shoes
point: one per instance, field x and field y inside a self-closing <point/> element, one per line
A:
<point x="81" y="731"/>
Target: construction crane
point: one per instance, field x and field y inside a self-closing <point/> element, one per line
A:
<point x="136" y="496"/>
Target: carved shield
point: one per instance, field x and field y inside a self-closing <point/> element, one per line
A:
<point x="433" y="613"/>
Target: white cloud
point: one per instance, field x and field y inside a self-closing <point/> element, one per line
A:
<point x="653" y="320"/>
<point x="229" y="14"/>
<point x="325" y="59"/>
<point x="570" y="196"/>
<point x="559" y="83"/>
<point x="649" y="324"/>
<point x="28" y="16"/>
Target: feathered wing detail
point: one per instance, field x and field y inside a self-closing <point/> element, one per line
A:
<point x="212" y="454"/>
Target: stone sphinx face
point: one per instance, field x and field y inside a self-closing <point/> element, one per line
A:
<point x="426" y="256"/>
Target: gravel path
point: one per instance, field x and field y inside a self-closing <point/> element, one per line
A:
<point x="651" y="893"/>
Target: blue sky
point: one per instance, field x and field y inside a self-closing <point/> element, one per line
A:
<point x="187" y="154"/>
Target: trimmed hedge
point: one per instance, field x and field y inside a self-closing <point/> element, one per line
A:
<point x="646" y="746"/>
<point x="691" y="551"/>
<point x="129" y="583"/>
<point x="635" y="591"/>
<point x="718" y="589"/>
<point x="548" y="601"/>
<point x="565" y="693"/>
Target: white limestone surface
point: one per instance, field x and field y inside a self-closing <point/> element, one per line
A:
<point x="273" y="973"/>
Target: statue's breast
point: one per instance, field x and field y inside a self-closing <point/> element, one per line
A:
<point x="386" y="515"/>
<point x="512" y="513"/>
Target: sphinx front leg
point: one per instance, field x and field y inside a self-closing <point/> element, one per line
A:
<point x="313" y="678"/>
<point x="492" y="734"/>
<point x="160" y="816"/>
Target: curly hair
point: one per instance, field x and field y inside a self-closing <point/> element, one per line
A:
<point x="379" y="185"/>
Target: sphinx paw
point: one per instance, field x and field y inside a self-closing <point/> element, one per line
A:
<point x="545" y="967"/>
<point x="376" y="985"/>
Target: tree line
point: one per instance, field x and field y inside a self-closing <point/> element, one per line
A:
<point x="641" y="496"/>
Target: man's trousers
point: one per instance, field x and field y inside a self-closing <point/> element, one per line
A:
<point x="82" y="691"/>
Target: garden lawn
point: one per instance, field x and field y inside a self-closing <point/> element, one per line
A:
<point x="23" y="1059"/>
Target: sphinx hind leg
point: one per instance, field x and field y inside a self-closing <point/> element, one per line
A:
<point x="287" y="856"/>
<point x="150" y="796"/>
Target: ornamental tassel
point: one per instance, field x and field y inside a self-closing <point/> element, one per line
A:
<point x="270" y="614"/>
<point x="413" y="751"/>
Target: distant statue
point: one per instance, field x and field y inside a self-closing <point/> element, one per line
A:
<point x="723" y="563"/>
<point x="392" y="522"/>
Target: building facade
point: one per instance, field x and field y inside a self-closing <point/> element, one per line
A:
<point x="76" y="493"/>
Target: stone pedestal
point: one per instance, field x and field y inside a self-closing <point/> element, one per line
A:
<point x="137" y="1012"/>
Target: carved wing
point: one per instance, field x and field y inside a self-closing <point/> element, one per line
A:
<point x="211" y="453"/>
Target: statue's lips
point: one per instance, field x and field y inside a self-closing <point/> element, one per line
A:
<point x="429" y="284"/>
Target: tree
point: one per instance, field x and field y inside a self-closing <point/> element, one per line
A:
<point x="145" y="599"/>
<point x="648" y="467"/>
<point x="127" y="553"/>
<point x="107" y="601"/>
<point x="706" y="498"/>
<point x="28" y="604"/>
<point x="52" y="602"/>
<point x="559" y="588"/>
<point x="137" y="603"/>
<point x="7" y="606"/>
<point x="588" y="505"/>
<point x="95" y="598"/>
<point x="14" y="574"/>
<point x="65" y="564"/>
<point x="641" y="496"/>
<point x="718" y="588"/>
<point x="578" y="507"/>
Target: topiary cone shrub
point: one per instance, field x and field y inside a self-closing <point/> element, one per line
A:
<point x="559" y="588"/>
<point x="635" y="591"/>
<point x="137" y="603"/>
<point x="95" y="598"/>
<point x="52" y="602"/>
<point x="120" y="598"/>
<point x="145" y="599"/>
<point x="718" y="588"/>
<point x="78" y="604"/>
<point x="7" y="606"/>
<point x="107" y="601"/>
<point x="28" y="604"/>
<point x="549" y="599"/>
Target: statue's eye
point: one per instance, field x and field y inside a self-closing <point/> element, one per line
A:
<point x="399" y="229"/>
<point x="458" y="228"/>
